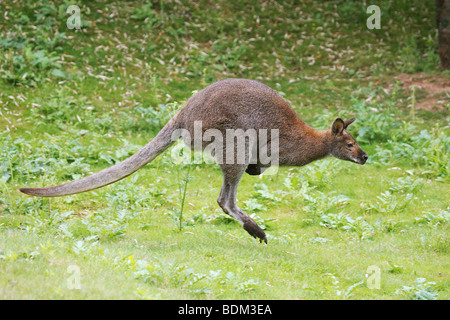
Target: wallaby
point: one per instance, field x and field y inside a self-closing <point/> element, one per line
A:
<point x="233" y="104"/>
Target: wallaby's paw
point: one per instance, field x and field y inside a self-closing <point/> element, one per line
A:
<point x="255" y="231"/>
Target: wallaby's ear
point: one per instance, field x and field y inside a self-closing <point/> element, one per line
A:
<point x="348" y="122"/>
<point x="338" y="126"/>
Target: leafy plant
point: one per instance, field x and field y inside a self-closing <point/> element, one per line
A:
<point x="443" y="217"/>
<point x="63" y="109"/>
<point x="147" y="14"/>
<point x="102" y="225"/>
<point x="263" y="192"/>
<point x="388" y="203"/>
<point x="395" y="268"/>
<point x="427" y="150"/>
<point x="247" y="286"/>
<point x="43" y="220"/>
<point x="405" y="185"/>
<point x="253" y="205"/>
<point x="85" y="246"/>
<point x="47" y="156"/>
<point x="389" y="225"/>
<point x="318" y="203"/>
<point x="168" y="274"/>
<point x="420" y="290"/>
<point x="415" y="59"/>
<point x="375" y="122"/>
<point x="29" y="67"/>
<point x="319" y="174"/>
<point x="228" y="55"/>
<point x="345" y="222"/>
<point x="396" y="199"/>
<point x="319" y="240"/>
<point x="149" y="118"/>
<point x="335" y="289"/>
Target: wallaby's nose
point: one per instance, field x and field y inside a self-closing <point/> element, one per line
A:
<point x="365" y="157"/>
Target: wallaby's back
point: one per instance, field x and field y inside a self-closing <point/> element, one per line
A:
<point x="238" y="104"/>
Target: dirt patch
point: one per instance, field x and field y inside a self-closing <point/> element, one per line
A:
<point x="437" y="90"/>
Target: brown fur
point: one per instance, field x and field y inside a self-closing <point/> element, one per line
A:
<point x="233" y="104"/>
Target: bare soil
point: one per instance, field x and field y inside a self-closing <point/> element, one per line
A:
<point x="437" y="90"/>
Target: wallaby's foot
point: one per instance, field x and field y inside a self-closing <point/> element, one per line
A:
<point x="254" y="230"/>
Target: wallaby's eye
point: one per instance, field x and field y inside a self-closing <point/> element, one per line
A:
<point x="350" y="145"/>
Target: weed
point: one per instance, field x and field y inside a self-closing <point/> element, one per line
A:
<point x="341" y="221"/>
<point x="101" y="225"/>
<point x="319" y="240"/>
<point x="30" y="67"/>
<point x="167" y="274"/>
<point x="396" y="199"/>
<point x="147" y="14"/>
<point x="318" y="203"/>
<point x="177" y="214"/>
<point x="335" y="291"/>
<point x="443" y="217"/>
<point x="375" y="123"/>
<point x="13" y="256"/>
<point x="414" y="59"/>
<point x="406" y="185"/>
<point x="395" y="268"/>
<point x="427" y="150"/>
<point x="149" y="119"/>
<point x="84" y="246"/>
<point x="49" y="156"/>
<point x="263" y="192"/>
<point x="388" y="225"/>
<point x="319" y="174"/>
<point x="252" y="205"/>
<point x="420" y="290"/>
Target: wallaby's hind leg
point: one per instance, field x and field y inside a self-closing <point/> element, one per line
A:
<point x="232" y="174"/>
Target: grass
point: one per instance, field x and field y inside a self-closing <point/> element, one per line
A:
<point x="159" y="234"/>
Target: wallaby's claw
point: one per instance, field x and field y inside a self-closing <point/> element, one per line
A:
<point x="255" y="231"/>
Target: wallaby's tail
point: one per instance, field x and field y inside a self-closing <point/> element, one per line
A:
<point x="117" y="172"/>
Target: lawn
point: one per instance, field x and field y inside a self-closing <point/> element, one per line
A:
<point x="73" y="102"/>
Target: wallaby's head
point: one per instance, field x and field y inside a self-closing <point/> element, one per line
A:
<point x="343" y="145"/>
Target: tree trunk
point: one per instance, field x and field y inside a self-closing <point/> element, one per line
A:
<point x="443" y="25"/>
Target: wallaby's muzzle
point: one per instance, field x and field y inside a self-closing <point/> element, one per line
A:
<point x="364" y="158"/>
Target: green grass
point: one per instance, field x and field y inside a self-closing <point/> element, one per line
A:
<point x="327" y="223"/>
